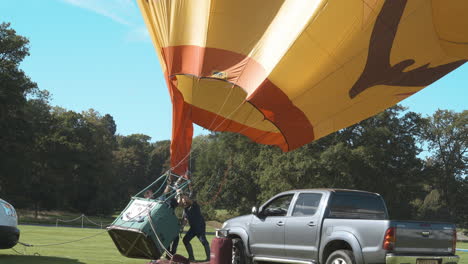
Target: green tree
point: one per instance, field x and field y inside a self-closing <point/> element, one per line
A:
<point x="378" y="154"/>
<point x="383" y="158"/>
<point x="80" y="160"/>
<point x="446" y="134"/>
<point x="38" y="184"/>
<point x="225" y="172"/>
<point x="102" y="142"/>
<point x="131" y="164"/>
<point x="432" y="208"/>
<point x="15" y="86"/>
<point x="159" y="158"/>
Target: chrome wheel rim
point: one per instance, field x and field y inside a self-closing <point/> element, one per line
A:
<point x="339" y="261"/>
<point x="235" y="255"/>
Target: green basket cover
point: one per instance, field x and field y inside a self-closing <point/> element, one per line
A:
<point x="132" y="232"/>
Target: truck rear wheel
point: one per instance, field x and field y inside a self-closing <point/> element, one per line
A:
<point x="341" y="257"/>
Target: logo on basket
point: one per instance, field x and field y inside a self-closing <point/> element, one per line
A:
<point x="425" y="233"/>
<point x="137" y="211"/>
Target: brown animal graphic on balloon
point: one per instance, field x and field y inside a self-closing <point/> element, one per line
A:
<point x="378" y="70"/>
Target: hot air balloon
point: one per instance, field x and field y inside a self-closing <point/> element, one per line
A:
<point x="288" y="72"/>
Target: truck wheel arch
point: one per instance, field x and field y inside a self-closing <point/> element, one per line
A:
<point x="341" y="241"/>
<point x="242" y="234"/>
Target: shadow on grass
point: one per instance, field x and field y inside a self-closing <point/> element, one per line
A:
<point x="20" y="259"/>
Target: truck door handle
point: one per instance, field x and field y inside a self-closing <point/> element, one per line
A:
<point x="280" y="223"/>
<point x="311" y="223"/>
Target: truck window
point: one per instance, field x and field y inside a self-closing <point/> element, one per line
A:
<point x="279" y="206"/>
<point x="351" y="205"/>
<point x="307" y="204"/>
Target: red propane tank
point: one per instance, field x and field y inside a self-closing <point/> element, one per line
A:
<point x="221" y="250"/>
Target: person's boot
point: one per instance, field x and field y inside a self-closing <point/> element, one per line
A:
<point x="207" y="251"/>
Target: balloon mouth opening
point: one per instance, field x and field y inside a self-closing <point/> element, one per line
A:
<point x="218" y="104"/>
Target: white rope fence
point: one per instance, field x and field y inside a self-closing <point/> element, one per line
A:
<point x="81" y="218"/>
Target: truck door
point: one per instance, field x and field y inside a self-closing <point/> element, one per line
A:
<point x="267" y="229"/>
<point x="302" y="227"/>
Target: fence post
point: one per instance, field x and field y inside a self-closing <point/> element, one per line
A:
<point x="82" y="220"/>
<point x="56" y="222"/>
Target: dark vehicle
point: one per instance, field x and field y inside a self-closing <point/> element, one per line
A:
<point x="334" y="226"/>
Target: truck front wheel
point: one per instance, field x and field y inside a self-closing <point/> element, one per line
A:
<point x="239" y="255"/>
<point x="341" y="257"/>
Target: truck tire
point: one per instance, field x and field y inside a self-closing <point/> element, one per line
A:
<point x="239" y="256"/>
<point x="341" y="257"/>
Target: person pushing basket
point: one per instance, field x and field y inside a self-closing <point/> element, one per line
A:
<point x="193" y="215"/>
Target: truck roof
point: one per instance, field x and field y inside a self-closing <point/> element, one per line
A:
<point x="330" y="190"/>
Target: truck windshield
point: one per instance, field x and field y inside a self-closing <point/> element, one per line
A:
<point x="351" y="205"/>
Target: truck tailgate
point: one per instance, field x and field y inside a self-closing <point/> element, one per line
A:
<point x="423" y="237"/>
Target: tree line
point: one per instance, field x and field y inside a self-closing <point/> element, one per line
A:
<point x="52" y="158"/>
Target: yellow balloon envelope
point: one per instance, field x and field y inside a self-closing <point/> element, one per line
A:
<point x="287" y="72"/>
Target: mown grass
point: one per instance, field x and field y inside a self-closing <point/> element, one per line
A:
<point x="463" y="255"/>
<point x="96" y="250"/>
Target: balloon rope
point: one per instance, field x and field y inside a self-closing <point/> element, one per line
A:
<point x="226" y="118"/>
<point x="220" y="188"/>
<point x="203" y="150"/>
<point x="222" y="106"/>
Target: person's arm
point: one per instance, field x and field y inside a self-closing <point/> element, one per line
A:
<point x="202" y="219"/>
<point x="185" y="217"/>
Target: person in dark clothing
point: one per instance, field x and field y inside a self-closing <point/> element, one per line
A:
<point x="172" y="203"/>
<point x="173" y="247"/>
<point x="192" y="214"/>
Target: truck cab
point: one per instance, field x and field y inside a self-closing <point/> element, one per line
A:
<point x="9" y="233"/>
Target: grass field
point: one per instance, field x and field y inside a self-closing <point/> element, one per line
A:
<point x="96" y="250"/>
<point x="463" y="255"/>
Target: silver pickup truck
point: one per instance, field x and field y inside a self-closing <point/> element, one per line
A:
<point x="334" y="226"/>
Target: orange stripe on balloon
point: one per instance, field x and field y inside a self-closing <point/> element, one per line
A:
<point x="182" y="130"/>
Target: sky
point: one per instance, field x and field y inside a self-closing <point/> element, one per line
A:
<point x="98" y="54"/>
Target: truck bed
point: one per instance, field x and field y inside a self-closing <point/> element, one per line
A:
<point x="424" y="237"/>
<point x="411" y="237"/>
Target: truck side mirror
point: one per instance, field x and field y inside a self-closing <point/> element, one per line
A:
<point x="255" y="210"/>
